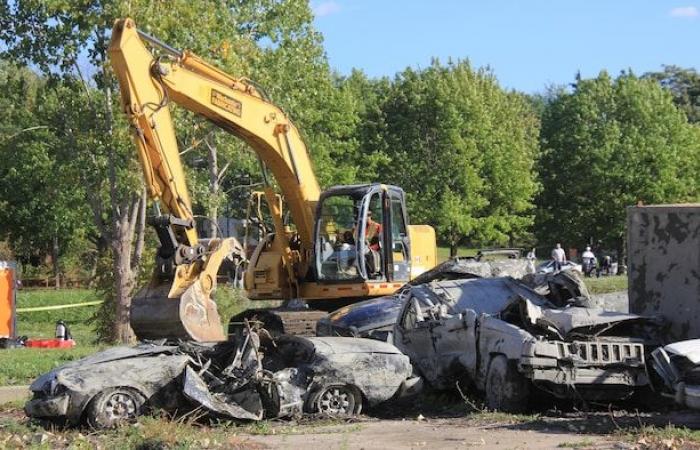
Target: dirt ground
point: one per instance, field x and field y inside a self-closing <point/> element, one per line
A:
<point x="380" y="430"/>
<point x="429" y="434"/>
<point x="491" y="430"/>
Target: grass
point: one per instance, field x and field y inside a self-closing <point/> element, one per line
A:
<point x="604" y="285"/>
<point x="670" y="436"/>
<point x="443" y="253"/>
<point x="21" y="366"/>
<point x="148" y="433"/>
<point x="586" y="443"/>
<point x="152" y="432"/>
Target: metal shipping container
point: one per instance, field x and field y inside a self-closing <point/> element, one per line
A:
<point x="664" y="266"/>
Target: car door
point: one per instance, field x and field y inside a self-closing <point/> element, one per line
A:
<point x="413" y="337"/>
<point x="454" y="341"/>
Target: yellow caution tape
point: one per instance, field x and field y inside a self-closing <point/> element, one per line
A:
<point x="49" y="308"/>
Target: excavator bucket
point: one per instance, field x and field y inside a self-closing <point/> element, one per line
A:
<point x="191" y="316"/>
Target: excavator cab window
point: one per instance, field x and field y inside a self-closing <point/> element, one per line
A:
<point x="400" y="245"/>
<point x="336" y="247"/>
<point x="362" y="234"/>
<point x="374" y="232"/>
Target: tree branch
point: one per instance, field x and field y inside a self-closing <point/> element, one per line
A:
<point x="38" y="127"/>
<point x="222" y="172"/>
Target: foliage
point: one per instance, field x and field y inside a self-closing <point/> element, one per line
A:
<point x="608" y="144"/>
<point x="42" y="207"/>
<point x="684" y="85"/>
<point x="461" y="147"/>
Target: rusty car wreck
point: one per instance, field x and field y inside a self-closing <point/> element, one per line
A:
<point x="248" y="378"/>
<point x="507" y="340"/>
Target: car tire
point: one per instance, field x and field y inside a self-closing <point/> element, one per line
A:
<point x="507" y="389"/>
<point x="336" y="400"/>
<point x="113" y="407"/>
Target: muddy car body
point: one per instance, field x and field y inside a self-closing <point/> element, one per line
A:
<point x="508" y="341"/>
<point x="245" y="380"/>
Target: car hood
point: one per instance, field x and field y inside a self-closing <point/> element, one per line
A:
<point x="86" y="372"/>
<point x="366" y="315"/>
<point x="572" y="318"/>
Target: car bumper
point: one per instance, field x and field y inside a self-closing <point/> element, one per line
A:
<point x="687" y="395"/>
<point x="48" y="407"/>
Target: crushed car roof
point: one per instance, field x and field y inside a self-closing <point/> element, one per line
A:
<point x="483" y="295"/>
<point x="690" y="349"/>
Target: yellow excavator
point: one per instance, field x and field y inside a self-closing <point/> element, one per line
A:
<point x="343" y="245"/>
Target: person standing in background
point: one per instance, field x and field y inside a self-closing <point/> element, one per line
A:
<point x="531" y="259"/>
<point x="559" y="257"/>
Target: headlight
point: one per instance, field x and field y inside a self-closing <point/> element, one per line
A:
<point x="52" y="387"/>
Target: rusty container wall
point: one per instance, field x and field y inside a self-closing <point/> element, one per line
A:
<point x="7" y="300"/>
<point x="664" y="266"/>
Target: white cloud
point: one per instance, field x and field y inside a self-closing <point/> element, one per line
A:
<point x="685" y="12"/>
<point x="325" y="8"/>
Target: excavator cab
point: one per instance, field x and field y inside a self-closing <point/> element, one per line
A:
<point x="362" y="235"/>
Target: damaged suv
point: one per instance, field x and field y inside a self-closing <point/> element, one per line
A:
<point x="508" y="341"/>
<point x="249" y="378"/>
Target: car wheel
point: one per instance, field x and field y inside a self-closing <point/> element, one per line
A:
<point x="113" y="407"/>
<point x="337" y="400"/>
<point x="506" y="389"/>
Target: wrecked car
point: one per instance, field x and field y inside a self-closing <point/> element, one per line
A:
<point x="678" y="368"/>
<point x="249" y="378"/>
<point x="375" y="318"/>
<point x="509" y="342"/>
<point x="548" y="267"/>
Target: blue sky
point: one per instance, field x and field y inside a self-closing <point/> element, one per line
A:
<point x="528" y="44"/>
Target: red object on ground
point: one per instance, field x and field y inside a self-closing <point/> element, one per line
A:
<point x="50" y="343"/>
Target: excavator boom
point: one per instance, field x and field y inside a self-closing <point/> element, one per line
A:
<point x="177" y="303"/>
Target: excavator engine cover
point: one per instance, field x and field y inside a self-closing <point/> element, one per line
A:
<point x="193" y="315"/>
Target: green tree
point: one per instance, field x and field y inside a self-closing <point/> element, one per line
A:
<point x="608" y="144"/>
<point x="464" y="151"/>
<point x="684" y="85"/>
<point x="42" y="207"/>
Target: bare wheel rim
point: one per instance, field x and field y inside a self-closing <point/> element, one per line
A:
<point x="337" y="400"/>
<point x="120" y="406"/>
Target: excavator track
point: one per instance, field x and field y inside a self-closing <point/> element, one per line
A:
<point x="278" y="321"/>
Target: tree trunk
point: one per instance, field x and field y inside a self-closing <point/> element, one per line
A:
<point x="213" y="188"/>
<point x="121" y="237"/>
<point x="123" y="277"/>
<point x="454" y="245"/>
<point x="54" y="260"/>
<point x="621" y="253"/>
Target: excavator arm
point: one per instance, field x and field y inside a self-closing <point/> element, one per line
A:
<point x="177" y="303"/>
